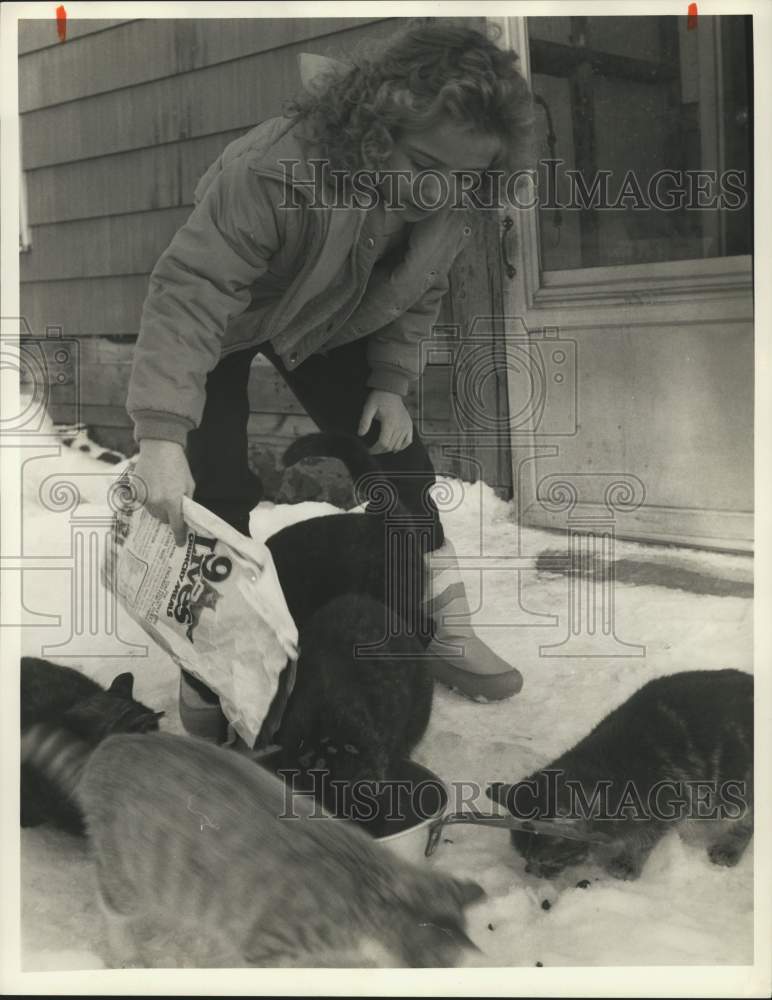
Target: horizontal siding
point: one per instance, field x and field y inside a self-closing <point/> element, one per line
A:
<point x="136" y="181"/>
<point x="217" y="98"/>
<point x="36" y="34"/>
<point x="85" y="306"/>
<point x="169" y="47"/>
<point x="91" y="248"/>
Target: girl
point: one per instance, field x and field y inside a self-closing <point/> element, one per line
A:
<point x="312" y="242"/>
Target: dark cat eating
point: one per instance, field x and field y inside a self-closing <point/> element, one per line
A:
<point x="57" y="694"/>
<point x="352" y="580"/>
<point x="189" y="836"/>
<point x="680" y="748"/>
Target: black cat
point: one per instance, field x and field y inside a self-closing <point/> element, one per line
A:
<point x="57" y="694"/>
<point x="354" y="713"/>
<point x="354" y="580"/>
<point x="681" y="748"/>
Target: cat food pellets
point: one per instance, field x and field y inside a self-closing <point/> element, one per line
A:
<point x="584" y="884"/>
<point x="546" y="905"/>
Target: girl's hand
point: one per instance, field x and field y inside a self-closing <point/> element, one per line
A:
<point x="396" y="423"/>
<point x="164" y="472"/>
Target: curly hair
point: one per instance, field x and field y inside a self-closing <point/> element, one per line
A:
<point x="425" y="73"/>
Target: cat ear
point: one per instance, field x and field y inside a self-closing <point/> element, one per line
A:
<point x="123" y="685"/>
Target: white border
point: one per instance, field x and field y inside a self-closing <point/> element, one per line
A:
<point x="750" y="981"/>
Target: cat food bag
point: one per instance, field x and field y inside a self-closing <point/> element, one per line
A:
<point x="214" y="604"/>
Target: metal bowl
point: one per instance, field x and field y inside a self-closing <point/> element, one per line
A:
<point x="411" y="802"/>
<point x="412" y="813"/>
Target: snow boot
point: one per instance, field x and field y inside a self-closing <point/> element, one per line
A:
<point x="200" y="710"/>
<point x="460" y="659"/>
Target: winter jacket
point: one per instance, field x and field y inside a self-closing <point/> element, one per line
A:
<point x="247" y="268"/>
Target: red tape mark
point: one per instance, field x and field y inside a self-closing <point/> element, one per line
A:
<point x="691" y="17"/>
<point x="61" y="23"/>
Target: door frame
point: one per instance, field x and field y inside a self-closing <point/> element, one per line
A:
<point x="703" y="291"/>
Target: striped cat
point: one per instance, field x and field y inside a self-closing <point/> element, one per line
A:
<point x="189" y="835"/>
<point x="681" y="748"/>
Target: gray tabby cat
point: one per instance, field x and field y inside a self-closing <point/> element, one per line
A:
<point x="187" y="834"/>
<point x="641" y="769"/>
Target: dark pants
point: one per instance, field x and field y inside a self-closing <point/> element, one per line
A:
<point x="332" y="390"/>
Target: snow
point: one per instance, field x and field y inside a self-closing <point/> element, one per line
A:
<point x="682" y="911"/>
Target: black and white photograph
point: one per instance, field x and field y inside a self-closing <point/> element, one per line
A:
<point x="382" y="403"/>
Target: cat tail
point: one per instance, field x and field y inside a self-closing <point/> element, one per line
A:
<point x="57" y="754"/>
<point x="348" y="448"/>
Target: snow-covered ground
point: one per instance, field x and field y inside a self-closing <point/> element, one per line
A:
<point x="683" y="910"/>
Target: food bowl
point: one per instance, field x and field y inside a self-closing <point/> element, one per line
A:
<point x="408" y="805"/>
<point x="411" y="812"/>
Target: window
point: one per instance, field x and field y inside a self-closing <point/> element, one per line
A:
<point x="644" y="130"/>
<point x="25" y="234"/>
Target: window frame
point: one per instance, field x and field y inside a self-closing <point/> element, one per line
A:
<point x="715" y="288"/>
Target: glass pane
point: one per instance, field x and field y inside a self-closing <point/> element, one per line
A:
<point x="645" y="138"/>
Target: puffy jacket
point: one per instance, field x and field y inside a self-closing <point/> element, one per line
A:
<point x="258" y="261"/>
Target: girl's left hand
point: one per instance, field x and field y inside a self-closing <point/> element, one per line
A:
<point x="396" y="423"/>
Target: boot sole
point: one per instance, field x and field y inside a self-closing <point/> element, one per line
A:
<point x="490" y="687"/>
